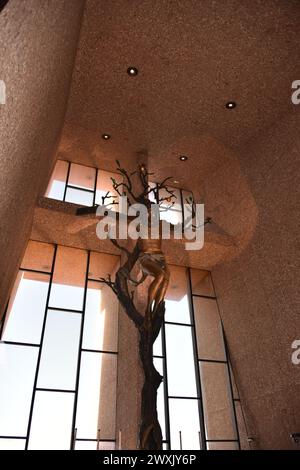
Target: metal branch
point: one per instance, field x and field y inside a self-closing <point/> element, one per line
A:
<point x="169" y="191"/>
<point x="121" y="286"/>
<point x="109" y="282"/>
<point x="109" y="196"/>
<point x="115" y="243"/>
<point x="165" y="209"/>
<point x="162" y="184"/>
<point x="128" y="185"/>
<point x="208" y="220"/>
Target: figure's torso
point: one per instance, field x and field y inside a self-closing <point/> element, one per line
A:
<point x="150" y="245"/>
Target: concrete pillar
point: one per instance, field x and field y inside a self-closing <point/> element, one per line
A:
<point x="38" y="43"/>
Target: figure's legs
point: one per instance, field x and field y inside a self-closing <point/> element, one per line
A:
<point x="158" y="287"/>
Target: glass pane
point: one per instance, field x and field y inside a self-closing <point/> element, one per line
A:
<point x="104" y="185"/>
<point x="101" y="318"/>
<point x="38" y="256"/>
<point x="173" y="217"/>
<point x="218" y="408"/>
<point x="51" y="425"/>
<point x="17" y="372"/>
<point x="26" y="309"/>
<point x="222" y="446"/>
<point x="78" y="196"/>
<point x="201" y="282"/>
<point x="12" y="444"/>
<point x="177" y="304"/>
<point x="152" y="194"/>
<point x="157" y="346"/>
<point x="180" y="361"/>
<point x="97" y="396"/>
<point x="158" y="364"/>
<point x="56" y="187"/>
<point x="94" y="445"/>
<point x="59" y="357"/>
<point x="184" y="417"/>
<point x="86" y="445"/>
<point x="102" y="264"/>
<point x="82" y="176"/>
<point x="69" y="278"/>
<point x="210" y="341"/>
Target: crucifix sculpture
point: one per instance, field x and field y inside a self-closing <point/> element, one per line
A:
<point x="147" y="254"/>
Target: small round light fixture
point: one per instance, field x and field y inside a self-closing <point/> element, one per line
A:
<point x="132" y="71"/>
<point x="176" y="182"/>
<point x="106" y="136"/>
<point x="183" y="158"/>
<point x="230" y="105"/>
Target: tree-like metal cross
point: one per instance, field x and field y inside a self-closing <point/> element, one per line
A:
<point x="148" y="255"/>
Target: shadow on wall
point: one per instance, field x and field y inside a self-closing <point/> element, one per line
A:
<point x="2" y="4"/>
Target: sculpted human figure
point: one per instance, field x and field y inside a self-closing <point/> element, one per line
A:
<point x="147" y="254"/>
<point x="153" y="263"/>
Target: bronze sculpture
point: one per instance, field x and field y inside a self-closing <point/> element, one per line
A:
<point x="148" y="254"/>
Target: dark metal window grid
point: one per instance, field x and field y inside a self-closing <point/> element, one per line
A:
<point x="72" y="186"/>
<point x="199" y="398"/>
<point x="163" y="357"/>
<point x="40" y="346"/>
<point x="93" y="191"/>
<point x="181" y="190"/>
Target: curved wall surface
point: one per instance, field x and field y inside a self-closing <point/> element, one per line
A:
<point x="38" y="46"/>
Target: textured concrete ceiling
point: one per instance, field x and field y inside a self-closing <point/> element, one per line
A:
<point x="193" y="56"/>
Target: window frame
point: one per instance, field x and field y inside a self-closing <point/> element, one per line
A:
<point x="68" y="185"/>
<point x="233" y="400"/>
<point x="39" y="346"/>
<point x="181" y="211"/>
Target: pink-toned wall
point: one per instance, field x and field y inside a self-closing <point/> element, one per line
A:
<point x="258" y="290"/>
<point x="38" y="45"/>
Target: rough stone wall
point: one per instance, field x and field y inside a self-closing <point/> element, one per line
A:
<point x="38" y="43"/>
<point x="258" y="291"/>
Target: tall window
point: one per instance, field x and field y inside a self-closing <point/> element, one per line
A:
<point x="196" y="402"/>
<point x="58" y="352"/>
<point x="84" y="185"/>
<point x="80" y="184"/>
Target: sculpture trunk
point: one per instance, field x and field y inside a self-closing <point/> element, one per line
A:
<point x="150" y="431"/>
<point x="148" y="254"/>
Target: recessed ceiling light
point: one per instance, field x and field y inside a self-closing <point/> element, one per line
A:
<point x="106" y="136"/>
<point x="183" y="158"/>
<point x="132" y="71"/>
<point x="230" y="104"/>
